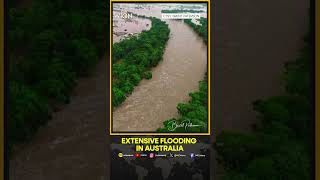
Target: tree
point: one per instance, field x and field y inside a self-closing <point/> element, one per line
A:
<point x="27" y="112"/>
<point x="280" y="146"/>
<point x="49" y="43"/>
<point x="132" y="58"/>
<point x="117" y="96"/>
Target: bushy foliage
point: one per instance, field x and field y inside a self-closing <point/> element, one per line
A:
<point x="50" y="43"/>
<point x="148" y="75"/>
<point x="27" y="111"/>
<point x="201" y="29"/>
<point x="133" y="58"/>
<point x="193" y="116"/>
<point x="280" y="146"/>
<point x="195" y="112"/>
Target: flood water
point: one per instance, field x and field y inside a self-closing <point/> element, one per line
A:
<point x="154" y="101"/>
<point x="124" y="28"/>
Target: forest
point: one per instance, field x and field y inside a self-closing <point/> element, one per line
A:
<point x="133" y="58"/>
<point x="181" y="11"/>
<point x="195" y="111"/>
<point x="200" y="29"/>
<point x="51" y="44"/>
<point x="281" y="145"/>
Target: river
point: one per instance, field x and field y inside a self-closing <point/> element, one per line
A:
<point x="183" y="66"/>
<point x="154" y="101"/>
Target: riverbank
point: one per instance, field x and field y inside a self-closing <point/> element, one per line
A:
<point x="133" y="58"/>
<point x="46" y="59"/>
<point x="155" y="100"/>
<point x="195" y="111"/>
<point x="74" y="144"/>
<point x="251" y="46"/>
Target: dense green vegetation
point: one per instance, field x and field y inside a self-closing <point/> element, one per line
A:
<point x="50" y="45"/>
<point x="133" y="58"/>
<point x="195" y="112"/>
<point x="202" y="29"/>
<point x="181" y="11"/>
<point x="280" y="147"/>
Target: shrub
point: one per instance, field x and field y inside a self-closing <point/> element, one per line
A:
<point x="27" y="111"/>
<point x="148" y="75"/>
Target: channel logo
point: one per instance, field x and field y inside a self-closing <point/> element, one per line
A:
<point x="121" y="155"/>
<point x="137" y="155"/>
<point x="170" y="155"/>
<point x="193" y="155"/>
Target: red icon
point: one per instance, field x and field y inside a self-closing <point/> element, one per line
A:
<point x="137" y="155"/>
<point x="151" y="155"/>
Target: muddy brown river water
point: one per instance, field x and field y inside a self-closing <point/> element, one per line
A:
<point x="154" y="101"/>
<point x="123" y="28"/>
